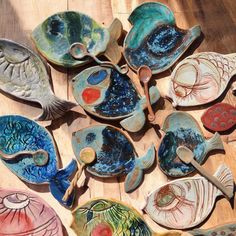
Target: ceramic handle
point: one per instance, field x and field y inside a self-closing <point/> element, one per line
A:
<point x="151" y="115"/>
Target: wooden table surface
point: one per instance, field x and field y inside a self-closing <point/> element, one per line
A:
<point x="218" y="21"/>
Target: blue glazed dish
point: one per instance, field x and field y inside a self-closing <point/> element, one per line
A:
<point x="154" y="39"/>
<point x="17" y="134"/>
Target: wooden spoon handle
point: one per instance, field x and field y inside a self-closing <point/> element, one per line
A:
<point x="151" y="116"/>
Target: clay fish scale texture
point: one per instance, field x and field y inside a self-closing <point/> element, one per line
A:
<point x="18" y="134"/>
<point x="24" y="75"/>
<point x="185" y="203"/>
<point x="58" y="32"/>
<point x="107" y="94"/>
<point x="181" y="129"/>
<point x="115" y="154"/>
<point x="201" y="78"/>
<point x="154" y="39"/>
<point x="24" y="213"/>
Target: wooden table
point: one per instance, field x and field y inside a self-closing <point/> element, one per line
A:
<point x="218" y="21"/>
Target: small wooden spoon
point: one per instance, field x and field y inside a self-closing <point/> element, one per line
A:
<point x="87" y="156"/>
<point x="186" y="155"/>
<point x="40" y="157"/>
<point x="79" y="47"/>
<point x="145" y="74"/>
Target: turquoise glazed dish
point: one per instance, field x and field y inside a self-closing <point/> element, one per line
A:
<point x="181" y="129"/>
<point x="107" y="94"/>
<point x="54" y="37"/>
<point x="115" y="154"/>
<point x="19" y="134"/>
<point x="154" y="39"/>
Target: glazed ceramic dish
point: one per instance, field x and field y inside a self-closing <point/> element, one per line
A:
<point x="105" y="93"/>
<point x="21" y="134"/>
<point x="219" y="117"/>
<point x="115" y="154"/>
<point x="154" y="39"/>
<point x="181" y="129"/>
<point x="24" y="213"/>
<point x="24" y="75"/>
<point x="54" y="37"/>
<point x="187" y="202"/>
<point x="201" y="78"/>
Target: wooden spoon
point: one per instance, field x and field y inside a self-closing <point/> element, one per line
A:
<point x="145" y="74"/>
<point x="186" y="155"/>
<point x="87" y="156"/>
<point x="79" y="51"/>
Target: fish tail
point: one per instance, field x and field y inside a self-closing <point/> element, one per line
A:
<point x="60" y="183"/>
<point x="214" y="142"/>
<point x="55" y="108"/>
<point x="135" y="177"/>
<point x="225" y="176"/>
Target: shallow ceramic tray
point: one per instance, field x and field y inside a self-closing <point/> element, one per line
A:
<point x="181" y="129"/>
<point x="154" y="39"/>
<point x="105" y="93"/>
<point x="201" y="78"/>
<point x="54" y="37"/>
<point x="24" y="75"/>
<point x="115" y="154"/>
<point x="187" y="202"/>
<point x="22" y="134"/>
<point x="24" y="213"/>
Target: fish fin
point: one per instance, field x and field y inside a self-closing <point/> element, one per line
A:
<point x="135" y="122"/>
<point x="135" y="177"/>
<point x="214" y="142"/>
<point x="114" y="51"/>
<point x="60" y="183"/>
<point x="225" y="176"/>
<point x="55" y="108"/>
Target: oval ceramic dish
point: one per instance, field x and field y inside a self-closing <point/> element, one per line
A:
<point x="154" y="39"/>
<point x="181" y="129"/>
<point x="54" y="37"/>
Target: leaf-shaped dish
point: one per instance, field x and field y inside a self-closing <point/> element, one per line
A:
<point x="154" y="39"/>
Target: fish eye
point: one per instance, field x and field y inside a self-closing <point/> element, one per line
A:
<point x="97" y="77"/>
<point x="100" y="206"/>
<point x="15" y="201"/>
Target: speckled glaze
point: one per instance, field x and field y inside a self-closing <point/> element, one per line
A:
<point x="154" y="39"/>
<point x="115" y="154"/>
<point x="105" y="93"/>
<point x="181" y="129"/>
<point x="18" y="133"/>
<point x="58" y="32"/>
<point x="185" y="203"/>
<point x="24" y="213"/>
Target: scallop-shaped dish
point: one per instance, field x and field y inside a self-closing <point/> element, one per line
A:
<point x="154" y="39"/>
<point x="54" y="37"/>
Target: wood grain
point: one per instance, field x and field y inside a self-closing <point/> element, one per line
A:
<point x="218" y="21"/>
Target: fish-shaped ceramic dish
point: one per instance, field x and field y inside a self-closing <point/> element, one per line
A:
<point x="181" y="129"/>
<point x="222" y="230"/>
<point x="186" y="202"/>
<point x="154" y="39"/>
<point x="110" y="217"/>
<point x="24" y="75"/>
<point x="219" y="117"/>
<point x="107" y="94"/>
<point x="201" y="78"/>
<point x="24" y="213"/>
<point x="54" y="37"/>
<point x="115" y="154"/>
<point x="18" y="134"/>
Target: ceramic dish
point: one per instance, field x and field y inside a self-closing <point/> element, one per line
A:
<point x="187" y="202"/>
<point x="115" y="154"/>
<point x="181" y="129"/>
<point x="154" y="39"/>
<point x="21" y="134"/>
<point x="201" y="78"/>
<point x="24" y="213"/>
<point x="54" y="37"/>
<point x="24" y="75"/>
<point x="105" y="93"/>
